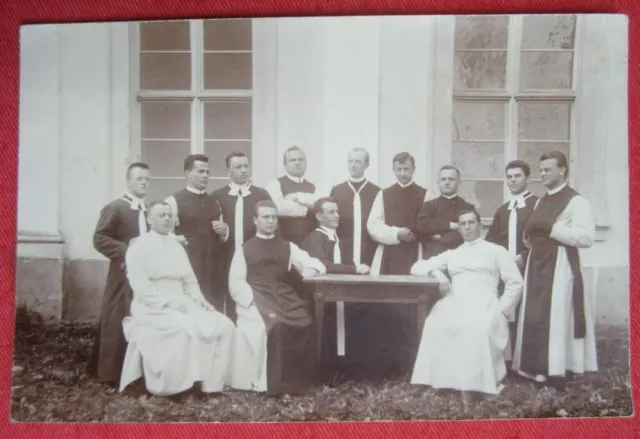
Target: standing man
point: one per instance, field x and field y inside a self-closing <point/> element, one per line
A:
<point x="392" y="224"/>
<point x="507" y="228"/>
<point x="294" y="196"/>
<point x="556" y="327"/>
<point x="274" y="348"/>
<point x="437" y="223"/>
<point x="197" y="218"/>
<point x="120" y="221"/>
<point x="237" y="201"/>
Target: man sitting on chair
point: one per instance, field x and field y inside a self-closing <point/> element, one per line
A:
<point x="176" y="338"/>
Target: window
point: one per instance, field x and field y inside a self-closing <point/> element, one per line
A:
<point x="193" y="88"/>
<point x="512" y="99"/>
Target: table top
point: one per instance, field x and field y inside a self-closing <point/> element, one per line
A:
<point x="386" y="279"/>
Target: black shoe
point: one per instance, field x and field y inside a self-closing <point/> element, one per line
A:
<point x="558" y="383"/>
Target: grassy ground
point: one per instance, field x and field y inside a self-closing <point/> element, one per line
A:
<point x="50" y="384"/>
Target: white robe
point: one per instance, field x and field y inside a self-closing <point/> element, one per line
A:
<point x="248" y="370"/>
<point x="175" y="337"/>
<point x="573" y="227"/>
<point x="465" y="336"/>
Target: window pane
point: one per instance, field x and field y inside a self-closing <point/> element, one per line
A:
<point x="546" y="70"/>
<point x="227" y="120"/>
<point x="227" y="34"/>
<point x="227" y="71"/>
<point x="537" y="188"/>
<point x="161" y="188"/>
<point x="487" y="196"/>
<point x="530" y="152"/>
<point x="165" y="35"/>
<point x="543" y="121"/>
<point x="166" y="120"/>
<point x="482" y="32"/>
<point x="217" y="183"/>
<point x="478" y="120"/>
<point x="217" y="151"/>
<point x="478" y="160"/>
<point x="165" y="71"/>
<point x="165" y="158"/>
<point x="480" y="70"/>
<point x="548" y="31"/>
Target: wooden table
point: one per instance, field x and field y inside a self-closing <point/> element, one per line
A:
<point x="394" y="289"/>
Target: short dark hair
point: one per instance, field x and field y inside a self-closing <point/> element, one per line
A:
<point x="263" y="203"/>
<point x="404" y="157"/>
<point x="318" y="206"/>
<point x="519" y="164"/>
<point x="227" y="159"/>
<point x="291" y="149"/>
<point x="135" y="165"/>
<point x="466" y="211"/>
<point x="449" y="168"/>
<point x="191" y="160"/>
<point x="157" y="203"/>
<point x="560" y="158"/>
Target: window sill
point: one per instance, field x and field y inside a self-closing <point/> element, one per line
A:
<point x="39" y="238"/>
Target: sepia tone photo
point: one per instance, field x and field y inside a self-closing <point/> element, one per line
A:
<point x="377" y="218"/>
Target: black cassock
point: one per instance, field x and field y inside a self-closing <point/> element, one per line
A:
<point x="434" y="218"/>
<point x="117" y="226"/>
<point x="195" y="214"/>
<point x="290" y="334"/>
<point x="227" y="202"/>
<point x="296" y="229"/>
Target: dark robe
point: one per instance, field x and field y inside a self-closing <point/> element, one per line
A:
<point x="434" y="218"/>
<point x="195" y="214"/>
<point x="290" y="335"/>
<point x="539" y="283"/>
<point x="499" y="234"/>
<point x="344" y="196"/>
<point x="319" y="246"/>
<point x="117" y="226"/>
<point x="296" y="229"/>
<point x="228" y="204"/>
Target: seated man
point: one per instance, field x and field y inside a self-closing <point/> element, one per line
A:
<point x="466" y="334"/>
<point x="176" y="338"/>
<point x="274" y="347"/>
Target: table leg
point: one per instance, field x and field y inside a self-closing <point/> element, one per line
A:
<point x="319" y="299"/>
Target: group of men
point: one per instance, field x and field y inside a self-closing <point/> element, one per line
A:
<point x="208" y="287"/>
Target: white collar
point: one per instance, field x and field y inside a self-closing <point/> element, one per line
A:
<point x="405" y="185"/>
<point x="294" y="179"/>
<point x="475" y="241"/>
<point x="331" y="233"/>
<point x="357" y="180"/>
<point x="263" y="236"/>
<point x="157" y="235"/>
<point x="135" y="202"/>
<point x="235" y="188"/>
<point x="518" y="200"/>
<point x="558" y="189"/>
<point x="196" y="191"/>
<point x="449" y="197"/>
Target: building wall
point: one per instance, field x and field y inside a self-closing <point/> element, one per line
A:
<point x="323" y="84"/>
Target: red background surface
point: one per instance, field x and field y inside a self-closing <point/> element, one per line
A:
<point x="13" y="13"/>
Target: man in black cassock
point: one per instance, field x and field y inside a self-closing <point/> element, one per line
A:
<point x="294" y="197"/>
<point x="274" y="343"/>
<point x="437" y="223"/>
<point x="392" y="224"/>
<point x="237" y="201"/>
<point x="197" y="218"/>
<point x="507" y="228"/>
<point x="120" y="221"/>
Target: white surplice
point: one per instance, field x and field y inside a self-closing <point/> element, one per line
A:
<point x="466" y="334"/>
<point x="574" y="227"/>
<point x="248" y="369"/>
<point x="175" y="337"/>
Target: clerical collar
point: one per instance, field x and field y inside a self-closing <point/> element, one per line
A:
<point x="475" y="241"/>
<point x="449" y="197"/>
<point x="136" y="203"/>
<point x="556" y="190"/>
<point x="263" y="236"/>
<point x="405" y="185"/>
<point x="294" y="179"/>
<point x="330" y="232"/>
<point x="196" y="191"/>
<point x="522" y="195"/>
<point x="158" y="235"/>
<point x="234" y="188"/>
<point x="357" y="180"/>
<point x="518" y="200"/>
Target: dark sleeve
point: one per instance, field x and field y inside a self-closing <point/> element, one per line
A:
<point x="427" y="225"/>
<point x="494" y="230"/>
<point x="451" y="239"/>
<point x="314" y="245"/>
<point x="332" y="194"/>
<point x="105" y="238"/>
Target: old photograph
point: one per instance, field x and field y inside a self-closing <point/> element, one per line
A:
<point x="376" y="218"/>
